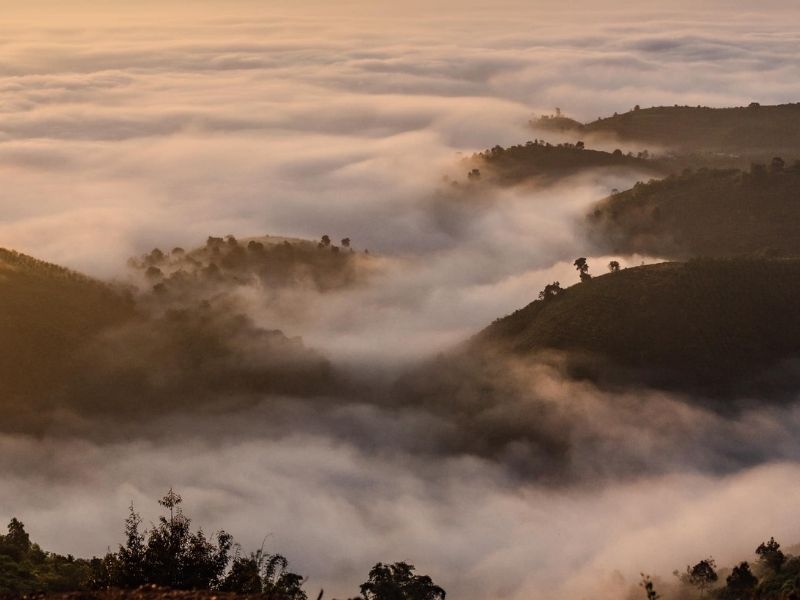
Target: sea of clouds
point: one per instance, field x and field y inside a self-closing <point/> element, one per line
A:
<point x="126" y="128"/>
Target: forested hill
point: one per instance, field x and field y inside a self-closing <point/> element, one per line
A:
<point x="705" y="213"/>
<point x="700" y="323"/>
<point x="78" y="346"/>
<point x="756" y="131"/>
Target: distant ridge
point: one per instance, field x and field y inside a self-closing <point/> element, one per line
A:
<point x="754" y="131"/>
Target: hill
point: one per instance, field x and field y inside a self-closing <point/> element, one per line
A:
<point x="703" y="323"/>
<point x="755" y="131"/>
<point x="718" y="213"/>
<point x="544" y="162"/>
<point x="78" y="346"/>
<point x="47" y="314"/>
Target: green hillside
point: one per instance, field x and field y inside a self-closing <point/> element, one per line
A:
<point x="702" y="322"/>
<point x="705" y="213"/>
<point x="755" y="131"/>
<point x="47" y="314"/>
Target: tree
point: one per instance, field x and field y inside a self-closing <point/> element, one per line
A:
<point x="702" y="575"/>
<point x="169" y="555"/>
<point x="583" y="268"/>
<point x="266" y="574"/>
<point x="770" y="555"/>
<point x="580" y="145"/>
<point x="739" y="585"/>
<point x="778" y="165"/>
<point x="130" y="558"/>
<point x="325" y="241"/>
<point x="613" y="266"/>
<point x="16" y="543"/>
<point x="153" y="273"/>
<point x="551" y="290"/>
<point x="346" y="242"/>
<point x="474" y="175"/>
<point x="398" y="582"/>
<point x="649" y="588"/>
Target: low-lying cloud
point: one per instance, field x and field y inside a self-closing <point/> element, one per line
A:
<point x="121" y="131"/>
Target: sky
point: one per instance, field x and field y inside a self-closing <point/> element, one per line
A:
<point x="129" y="126"/>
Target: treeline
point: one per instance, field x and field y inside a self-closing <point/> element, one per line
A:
<point x="171" y="555"/>
<point x="323" y="265"/>
<point x="775" y="575"/>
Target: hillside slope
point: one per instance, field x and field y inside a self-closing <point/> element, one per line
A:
<point x="702" y="322"/>
<point x="706" y="213"/>
<point x="47" y="314"/>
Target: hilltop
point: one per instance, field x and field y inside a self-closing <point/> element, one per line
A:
<point x="544" y="162"/>
<point x="718" y="213"/>
<point x="707" y="323"/>
<point x="755" y="131"/>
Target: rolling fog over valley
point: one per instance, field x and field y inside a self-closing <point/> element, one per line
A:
<point x="371" y="282"/>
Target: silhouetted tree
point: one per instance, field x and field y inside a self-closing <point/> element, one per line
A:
<point x="398" y="582"/>
<point x="770" y="555"/>
<point x="346" y="242"/>
<point x="583" y="268"/>
<point x="739" y="585"/>
<point x="16" y="543"/>
<point x="474" y="175"/>
<point x="702" y="575"/>
<point x="169" y="555"/>
<point x="325" y="241"/>
<point x="649" y="588"/>
<point x="130" y="558"/>
<point x="613" y="266"/>
<point x="551" y="290"/>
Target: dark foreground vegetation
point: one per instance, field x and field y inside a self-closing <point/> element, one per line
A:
<point x="170" y="556"/>
<point x="705" y="213"/>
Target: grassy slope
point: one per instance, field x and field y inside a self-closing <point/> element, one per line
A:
<point x="708" y="213"/>
<point x="709" y="321"/>
<point x="46" y="314"/>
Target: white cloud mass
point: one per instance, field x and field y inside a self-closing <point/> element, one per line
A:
<point x="126" y="126"/>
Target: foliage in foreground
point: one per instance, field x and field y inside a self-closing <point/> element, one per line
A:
<point x="171" y="555"/>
